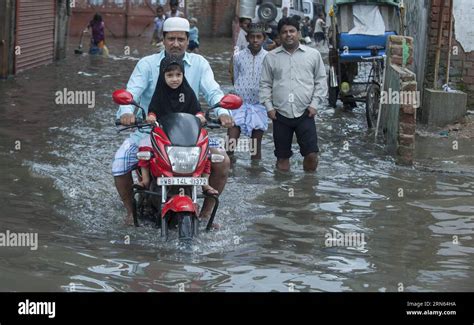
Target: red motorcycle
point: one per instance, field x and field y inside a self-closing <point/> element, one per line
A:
<point x="180" y="150"/>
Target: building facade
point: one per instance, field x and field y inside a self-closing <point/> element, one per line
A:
<point x="32" y="33"/>
<point x="462" y="48"/>
<point x="134" y="18"/>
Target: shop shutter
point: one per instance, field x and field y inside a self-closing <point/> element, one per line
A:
<point x="35" y="23"/>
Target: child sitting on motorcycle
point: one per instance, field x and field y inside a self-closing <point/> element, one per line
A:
<point x="173" y="94"/>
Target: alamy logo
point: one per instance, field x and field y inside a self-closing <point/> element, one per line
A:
<point x="37" y="308"/>
<point x="391" y="97"/>
<point x="13" y="239"/>
<point x="238" y="145"/>
<point x="339" y="239"/>
<point x="69" y="97"/>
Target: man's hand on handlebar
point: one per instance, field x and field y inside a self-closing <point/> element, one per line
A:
<point x="202" y="119"/>
<point x="151" y="118"/>
<point x="127" y="119"/>
<point x="226" y="121"/>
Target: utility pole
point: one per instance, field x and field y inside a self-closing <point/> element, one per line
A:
<point x="438" y="47"/>
<point x="450" y="41"/>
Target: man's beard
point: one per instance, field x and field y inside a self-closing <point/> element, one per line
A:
<point x="179" y="57"/>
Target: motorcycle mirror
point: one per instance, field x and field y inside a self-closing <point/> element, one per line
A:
<point x="231" y="101"/>
<point x="123" y="97"/>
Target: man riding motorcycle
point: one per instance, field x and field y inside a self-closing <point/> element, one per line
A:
<point x="142" y="84"/>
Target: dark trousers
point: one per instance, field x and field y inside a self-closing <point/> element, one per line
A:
<point x="306" y="135"/>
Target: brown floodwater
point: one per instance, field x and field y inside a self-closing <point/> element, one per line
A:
<point x="417" y="222"/>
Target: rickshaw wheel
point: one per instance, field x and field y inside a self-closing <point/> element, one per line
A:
<point x="372" y="105"/>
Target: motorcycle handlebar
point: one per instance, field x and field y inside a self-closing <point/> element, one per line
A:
<point x="212" y="124"/>
<point x="138" y="124"/>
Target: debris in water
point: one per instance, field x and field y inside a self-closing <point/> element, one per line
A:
<point x="86" y="74"/>
<point x="444" y="133"/>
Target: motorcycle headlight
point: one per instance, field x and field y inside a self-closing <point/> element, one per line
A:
<point x="183" y="160"/>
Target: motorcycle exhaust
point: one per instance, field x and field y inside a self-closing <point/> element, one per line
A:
<point x="333" y="77"/>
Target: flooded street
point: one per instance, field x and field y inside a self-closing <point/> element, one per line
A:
<point x="417" y="223"/>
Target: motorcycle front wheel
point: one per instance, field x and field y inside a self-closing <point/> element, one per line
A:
<point x="186" y="226"/>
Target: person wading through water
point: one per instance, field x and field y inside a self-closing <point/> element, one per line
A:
<point x="292" y="87"/>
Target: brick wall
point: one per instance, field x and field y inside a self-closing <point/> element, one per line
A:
<point x="223" y="14"/>
<point x="201" y="9"/>
<point x="399" y="119"/>
<point x="462" y="64"/>
<point x="215" y="17"/>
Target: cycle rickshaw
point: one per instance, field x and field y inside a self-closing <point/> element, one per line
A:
<point x="358" y="36"/>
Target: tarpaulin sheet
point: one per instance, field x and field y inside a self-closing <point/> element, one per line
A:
<point x="367" y="20"/>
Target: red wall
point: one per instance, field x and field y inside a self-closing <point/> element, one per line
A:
<point x="215" y="17"/>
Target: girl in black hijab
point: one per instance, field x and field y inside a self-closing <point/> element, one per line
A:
<point x="173" y="94"/>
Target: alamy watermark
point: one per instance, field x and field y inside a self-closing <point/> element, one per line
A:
<point x="395" y="97"/>
<point x="350" y="239"/>
<point x="28" y="307"/>
<point x="71" y="97"/>
<point x="237" y="145"/>
<point x="13" y="239"/>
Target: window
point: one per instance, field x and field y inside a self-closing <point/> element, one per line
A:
<point x="296" y="5"/>
<point x="96" y="2"/>
<point x="306" y="8"/>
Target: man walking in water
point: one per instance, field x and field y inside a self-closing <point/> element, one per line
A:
<point x="251" y="119"/>
<point x="292" y="87"/>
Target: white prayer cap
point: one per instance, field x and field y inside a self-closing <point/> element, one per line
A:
<point x="176" y="24"/>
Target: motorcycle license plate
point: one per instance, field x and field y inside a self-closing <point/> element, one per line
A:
<point x="193" y="181"/>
